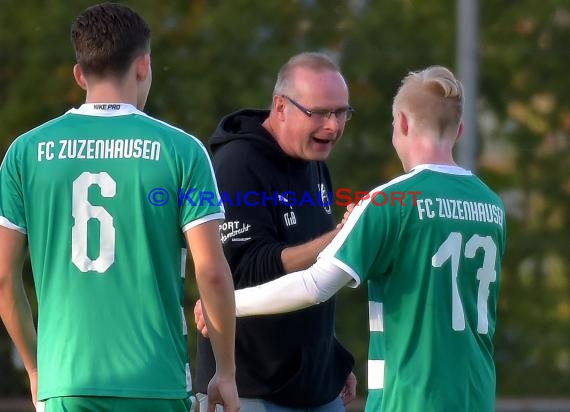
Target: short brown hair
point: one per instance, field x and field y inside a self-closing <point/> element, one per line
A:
<point x="107" y="37"/>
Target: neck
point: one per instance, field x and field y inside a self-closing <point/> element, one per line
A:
<point x="108" y="91"/>
<point x="271" y="125"/>
<point x="268" y="125"/>
<point x="431" y="151"/>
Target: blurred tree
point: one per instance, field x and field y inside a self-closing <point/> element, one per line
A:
<point x="527" y="101"/>
<point x="213" y="57"/>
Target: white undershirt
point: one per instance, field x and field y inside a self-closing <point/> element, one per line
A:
<point x="293" y="291"/>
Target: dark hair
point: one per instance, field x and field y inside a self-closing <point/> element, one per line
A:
<point x="107" y="38"/>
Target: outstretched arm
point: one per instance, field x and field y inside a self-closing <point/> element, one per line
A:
<point x="288" y="293"/>
<point x="14" y="305"/>
<point x="293" y="291"/>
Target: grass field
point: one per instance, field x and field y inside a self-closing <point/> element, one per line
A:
<point x="503" y="405"/>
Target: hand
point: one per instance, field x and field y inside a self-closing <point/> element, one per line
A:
<point x="223" y="391"/>
<point x="348" y="393"/>
<point x="33" y="376"/>
<point x="199" y="319"/>
<point x="349" y="210"/>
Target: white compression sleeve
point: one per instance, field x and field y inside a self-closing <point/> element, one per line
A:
<point x="292" y="291"/>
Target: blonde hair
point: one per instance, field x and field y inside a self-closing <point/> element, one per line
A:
<point x="433" y="98"/>
<point x="309" y="60"/>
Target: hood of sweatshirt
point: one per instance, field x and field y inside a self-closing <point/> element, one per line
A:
<point x="246" y="124"/>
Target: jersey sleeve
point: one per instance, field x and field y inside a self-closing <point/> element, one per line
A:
<point x="364" y="246"/>
<point x="198" y="197"/>
<point x="12" y="212"/>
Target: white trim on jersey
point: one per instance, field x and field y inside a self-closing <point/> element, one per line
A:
<point x="201" y="220"/>
<point x="449" y="169"/>
<point x="293" y="291"/>
<point x="188" y="378"/>
<point x="184" y="324"/>
<point x="376" y="316"/>
<point x="183" y="257"/>
<point x="105" y="109"/>
<point x="375" y="374"/>
<point x="9" y="225"/>
<point x="355" y="282"/>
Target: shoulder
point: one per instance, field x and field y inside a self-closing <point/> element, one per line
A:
<point x="242" y="154"/>
<point x="177" y="138"/>
<point x="400" y="183"/>
<point x="490" y="192"/>
<point x="174" y="131"/>
<point x="27" y="140"/>
<point x="238" y="147"/>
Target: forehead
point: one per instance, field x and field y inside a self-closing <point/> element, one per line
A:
<point x="325" y="88"/>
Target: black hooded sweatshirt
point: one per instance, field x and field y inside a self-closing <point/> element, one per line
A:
<point x="273" y="201"/>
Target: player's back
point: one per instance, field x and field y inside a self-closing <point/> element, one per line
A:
<point x="100" y="190"/>
<point x="440" y="294"/>
<point x="429" y="244"/>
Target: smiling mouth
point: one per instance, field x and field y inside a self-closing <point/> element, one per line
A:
<point x="321" y="141"/>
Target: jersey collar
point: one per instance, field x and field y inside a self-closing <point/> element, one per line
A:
<point x="106" y="109"/>
<point x="449" y="169"/>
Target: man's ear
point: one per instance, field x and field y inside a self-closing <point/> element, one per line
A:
<point x="79" y="77"/>
<point x="460" y="131"/>
<point x="403" y="123"/>
<point x="279" y="106"/>
<point x="143" y="67"/>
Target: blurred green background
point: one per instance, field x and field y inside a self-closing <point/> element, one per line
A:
<point x="213" y="57"/>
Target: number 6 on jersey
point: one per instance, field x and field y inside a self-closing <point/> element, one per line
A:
<point x="82" y="212"/>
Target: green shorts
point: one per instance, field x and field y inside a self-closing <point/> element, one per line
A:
<point x="115" y="404"/>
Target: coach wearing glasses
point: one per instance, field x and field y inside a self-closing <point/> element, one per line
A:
<point x="288" y="362"/>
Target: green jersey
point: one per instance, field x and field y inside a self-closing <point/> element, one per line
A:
<point x="430" y="245"/>
<point x="104" y="194"/>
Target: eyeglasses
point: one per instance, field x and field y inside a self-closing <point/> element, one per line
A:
<point x="343" y="114"/>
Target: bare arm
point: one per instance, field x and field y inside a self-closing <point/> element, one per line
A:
<point x="215" y="285"/>
<point x="14" y="305"/>
<point x="300" y="257"/>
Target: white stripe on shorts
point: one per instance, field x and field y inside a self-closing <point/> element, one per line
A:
<point x="375" y="374"/>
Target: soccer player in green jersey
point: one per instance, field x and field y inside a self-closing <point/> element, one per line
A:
<point x="88" y="193"/>
<point x="429" y="244"/>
